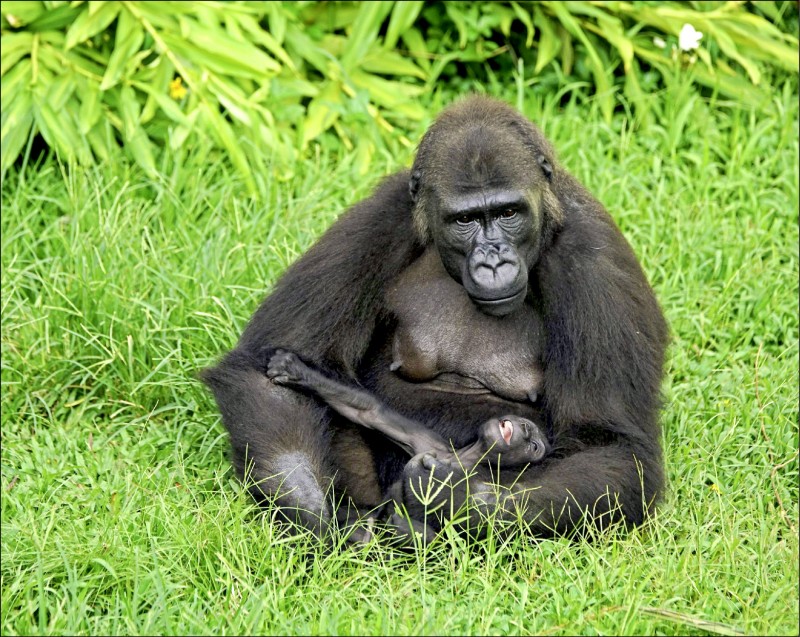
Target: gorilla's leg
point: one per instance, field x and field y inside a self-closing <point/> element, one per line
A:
<point x="280" y="440"/>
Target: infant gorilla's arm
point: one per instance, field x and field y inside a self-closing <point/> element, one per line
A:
<point x="515" y="439"/>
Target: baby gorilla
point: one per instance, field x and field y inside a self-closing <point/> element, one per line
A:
<point x="512" y="439"/>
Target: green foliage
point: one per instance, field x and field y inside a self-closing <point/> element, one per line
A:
<point x="590" y="41"/>
<point x="258" y="80"/>
<point x="261" y="81"/>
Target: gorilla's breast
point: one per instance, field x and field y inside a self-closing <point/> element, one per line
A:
<point x="443" y="341"/>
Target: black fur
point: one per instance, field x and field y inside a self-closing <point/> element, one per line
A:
<point x="601" y="356"/>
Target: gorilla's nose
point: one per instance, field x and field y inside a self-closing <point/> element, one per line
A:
<point x="492" y="259"/>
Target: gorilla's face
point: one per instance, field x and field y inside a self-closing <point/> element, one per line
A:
<point x="486" y="240"/>
<point x="481" y="187"/>
<point x="517" y="439"/>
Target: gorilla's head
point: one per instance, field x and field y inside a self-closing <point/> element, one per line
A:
<point x="481" y="184"/>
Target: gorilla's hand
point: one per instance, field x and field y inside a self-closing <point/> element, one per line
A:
<point x="435" y="490"/>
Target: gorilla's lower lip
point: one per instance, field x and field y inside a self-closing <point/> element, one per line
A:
<point x="501" y="301"/>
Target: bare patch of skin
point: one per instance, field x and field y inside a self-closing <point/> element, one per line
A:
<point x="304" y="493"/>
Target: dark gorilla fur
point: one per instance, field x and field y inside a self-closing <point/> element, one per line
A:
<point x="523" y="239"/>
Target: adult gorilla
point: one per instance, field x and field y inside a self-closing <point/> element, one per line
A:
<point x="487" y="239"/>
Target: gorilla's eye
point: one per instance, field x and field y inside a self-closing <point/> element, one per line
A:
<point x="464" y="220"/>
<point x="507" y="214"/>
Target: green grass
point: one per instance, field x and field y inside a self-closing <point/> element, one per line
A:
<point x="120" y="513"/>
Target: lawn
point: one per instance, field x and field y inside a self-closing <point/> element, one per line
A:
<point x="120" y="514"/>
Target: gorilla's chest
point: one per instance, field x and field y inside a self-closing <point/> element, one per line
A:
<point x="445" y="342"/>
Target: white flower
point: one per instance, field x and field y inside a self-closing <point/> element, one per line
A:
<point x="689" y="38"/>
<point x="659" y="42"/>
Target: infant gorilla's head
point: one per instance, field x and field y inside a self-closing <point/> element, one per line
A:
<point x="515" y="439"/>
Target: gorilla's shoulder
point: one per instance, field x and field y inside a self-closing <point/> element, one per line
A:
<point x="379" y="220"/>
<point x="390" y="197"/>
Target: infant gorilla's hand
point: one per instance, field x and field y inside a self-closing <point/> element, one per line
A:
<point x="285" y="368"/>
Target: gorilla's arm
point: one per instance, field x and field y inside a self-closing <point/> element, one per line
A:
<point x="603" y="360"/>
<point x="325" y="307"/>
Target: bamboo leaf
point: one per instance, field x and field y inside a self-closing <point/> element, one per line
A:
<point x="602" y="85"/>
<point x="165" y="103"/>
<point x="306" y="48"/>
<point x="90" y="109"/>
<point x="504" y="17"/>
<point x="391" y="63"/>
<point x="403" y="16"/>
<point x="363" y="157"/>
<point x="14" y="81"/>
<point x="365" y="31"/>
<point x="141" y="149"/>
<point x="15" y="47"/>
<point x="20" y="14"/>
<point x="611" y="29"/>
<point x="55" y="19"/>
<point x="765" y="48"/>
<point x="387" y="92"/>
<point x="277" y="21"/>
<point x="272" y="44"/>
<point x="321" y="115"/>
<point x="525" y="18"/>
<point x="242" y="57"/>
<point x="413" y="39"/>
<point x="101" y="140"/>
<point x="15" y="127"/>
<point x="232" y="99"/>
<point x="732" y="86"/>
<point x="549" y="43"/>
<point x="96" y="5"/>
<point x="769" y="8"/>
<point x="129" y="110"/>
<point x="454" y="13"/>
<point x="89" y="23"/>
<point x="69" y="114"/>
<point x="57" y="131"/>
<point x="729" y="48"/>
<point x="60" y="91"/>
<point x="129" y="39"/>
<point x="158" y="84"/>
<point x="219" y="60"/>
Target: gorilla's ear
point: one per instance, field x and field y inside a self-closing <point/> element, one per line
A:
<point x="545" y="165"/>
<point x="413" y="185"/>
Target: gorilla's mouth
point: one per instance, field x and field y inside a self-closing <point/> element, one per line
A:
<point x="506" y="430"/>
<point x="506" y="300"/>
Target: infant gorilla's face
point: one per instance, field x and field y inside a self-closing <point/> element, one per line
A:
<point x="517" y="440"/>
